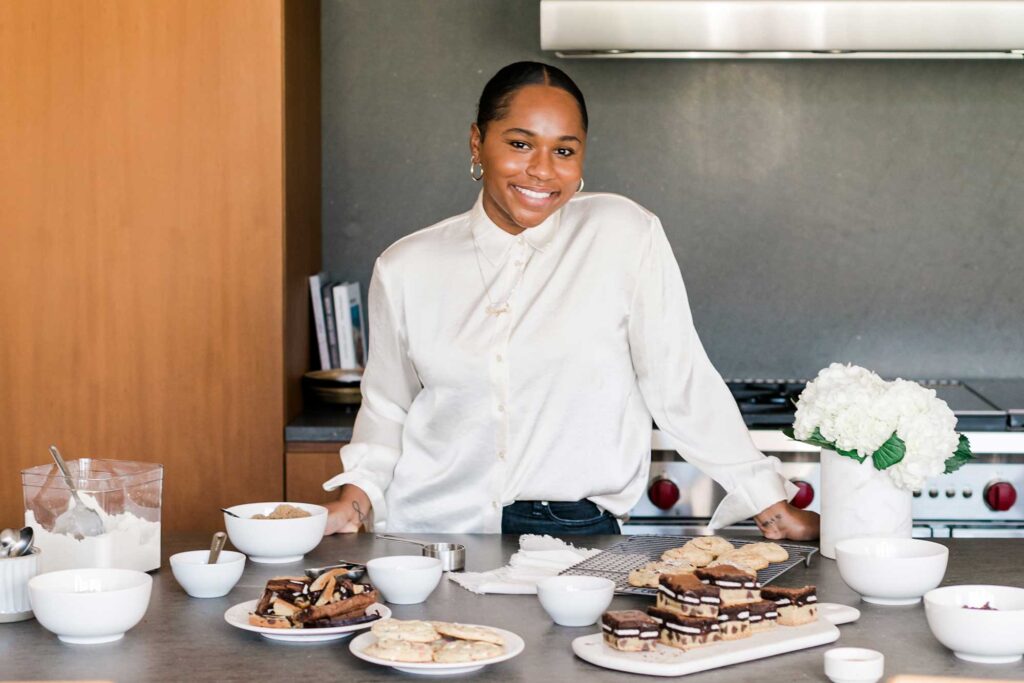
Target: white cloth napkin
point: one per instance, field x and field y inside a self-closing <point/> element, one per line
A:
<point x="538" y="558"/>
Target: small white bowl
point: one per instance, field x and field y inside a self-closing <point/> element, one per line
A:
<point x="575" y="600"/>
<point x="891" y="571"/>
<point x="854" y="665"/>
<point x="404" y="579"/>
<point x="275" y="541"/>
<point x="989" y="636"/>
<point x="202" y="580"/>
<point x="89" y="606"/>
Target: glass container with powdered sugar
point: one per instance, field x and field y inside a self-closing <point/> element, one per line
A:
<point x="127" y="497"/>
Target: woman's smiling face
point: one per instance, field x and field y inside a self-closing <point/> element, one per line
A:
<point x="532" y="157"/>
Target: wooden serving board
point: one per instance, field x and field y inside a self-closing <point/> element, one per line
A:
<point x="670" y="661"/>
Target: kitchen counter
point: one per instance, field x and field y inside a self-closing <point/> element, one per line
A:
<point x="183" y="638"/>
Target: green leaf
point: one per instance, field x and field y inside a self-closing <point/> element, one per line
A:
<point x="889" y="453"/>
<point x="817" y="439"/>
<point x="961" y="456"/>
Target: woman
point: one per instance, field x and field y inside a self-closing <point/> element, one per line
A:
<point x="519" y="351"/>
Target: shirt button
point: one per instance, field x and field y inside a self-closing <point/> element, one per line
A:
<point x="496" y="504"/>
<point x="499" y="357"/>
<point x="501" y="454"/>
<point x="501" y="407"/>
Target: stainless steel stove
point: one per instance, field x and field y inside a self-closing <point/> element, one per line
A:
<point x="981" y="499"/>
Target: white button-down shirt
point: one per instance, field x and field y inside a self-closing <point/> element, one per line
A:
<point x="528" y="367"/>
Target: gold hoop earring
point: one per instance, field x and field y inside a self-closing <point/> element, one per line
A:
<point x="472" y="170"/>
<point x="580" y="188"/>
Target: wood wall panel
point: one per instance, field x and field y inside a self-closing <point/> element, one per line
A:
<point x="141" y="237"/>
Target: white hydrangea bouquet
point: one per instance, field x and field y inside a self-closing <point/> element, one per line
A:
<point x="903" y="427"/>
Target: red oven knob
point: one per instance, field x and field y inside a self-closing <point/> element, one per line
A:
<point x="663" y="493"/>
<point x="1000" y="496"/>
<point x="803" y="497"/>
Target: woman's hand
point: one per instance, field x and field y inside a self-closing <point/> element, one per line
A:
<point x="783" y="521"/>
<point x="349" y="512"/>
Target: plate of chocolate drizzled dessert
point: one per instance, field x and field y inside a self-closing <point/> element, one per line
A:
<point x="303" y="609"/>
<point x="711" y="617"/>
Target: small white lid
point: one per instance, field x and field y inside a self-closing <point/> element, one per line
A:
<point x="854" y="665"/>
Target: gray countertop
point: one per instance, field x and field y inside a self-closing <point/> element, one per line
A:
<point x="322" y="423"/>
<point x="182" y="638"/>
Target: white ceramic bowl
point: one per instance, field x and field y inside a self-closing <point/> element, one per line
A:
<point x="575" y="600"/>
<point x="978" y="635"/>
<point x="202" y="580"/>
<point x="891" y="571"/>
<point x="88" y="606"/>
<point x="404" y="579"/>
<point x="275" y="541"/>
<point x="854" y="665"/>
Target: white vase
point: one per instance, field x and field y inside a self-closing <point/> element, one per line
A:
<point x="857" y="500"/>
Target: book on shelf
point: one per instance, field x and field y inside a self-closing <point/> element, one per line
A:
<point x="330" y="322"/>
<point x="355" y="306"/>
<point x="316" y="283"/>
<point x="343" y="323"/>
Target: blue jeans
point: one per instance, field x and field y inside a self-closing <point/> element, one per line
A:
<point x="557" y="519"/>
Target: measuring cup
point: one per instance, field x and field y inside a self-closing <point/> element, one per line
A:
<point x="452" y="555"/>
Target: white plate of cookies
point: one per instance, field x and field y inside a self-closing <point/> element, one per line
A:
<point x="435" y="648"/>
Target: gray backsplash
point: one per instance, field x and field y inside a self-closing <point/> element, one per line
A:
<point x="860" y="211"/>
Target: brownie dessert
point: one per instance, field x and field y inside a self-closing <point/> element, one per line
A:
<point x="684" y="632"/>
<point x="795" y="605"/>
<point x="763" y="615"/>
<point x="734" y="621"/>
<point x="299" y="602"/>
<point x="736" y="585"/>
<point x="688" y="595"/>
<point x="629" y="630"/>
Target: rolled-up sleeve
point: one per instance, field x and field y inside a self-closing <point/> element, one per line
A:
<point x="389" y="385"/>
<point x="687" y="397"/>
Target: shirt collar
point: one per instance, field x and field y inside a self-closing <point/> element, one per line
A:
<point x="495" y="242"/>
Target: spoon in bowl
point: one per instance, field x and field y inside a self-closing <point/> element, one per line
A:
<point x="23" y="546"/>
<point x="8" y="539"/>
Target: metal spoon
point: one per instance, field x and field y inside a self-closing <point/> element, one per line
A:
<point x="79" y="521"/>
<point x="23" y="546"/>
<point x="216" y="546"/>
<point x="8" y="538"/>
<point x="229" y="512"/>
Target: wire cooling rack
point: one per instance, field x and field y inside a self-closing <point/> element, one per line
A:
<point x="616" y="562"/>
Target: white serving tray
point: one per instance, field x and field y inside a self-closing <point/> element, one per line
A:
<point x="670" y="661"/>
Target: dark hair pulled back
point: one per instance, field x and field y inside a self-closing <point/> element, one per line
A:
<point x="498" y="92"/>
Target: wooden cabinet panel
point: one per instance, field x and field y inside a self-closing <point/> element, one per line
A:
<point x="307" y="467"/>
<point x="142" y="223"/>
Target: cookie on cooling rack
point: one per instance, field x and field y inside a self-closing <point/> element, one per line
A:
<point x="691" y="554"/>
<point x="647" y="576"/>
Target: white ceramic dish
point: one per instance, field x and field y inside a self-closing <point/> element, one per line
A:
<point x="992" y="636"/>
<point x="854" y="665"/>
<point x="202" y="580"/>
<point x="670" y="661"/>
<point x="513" y="646"/>
<point x="238" y="616"/>
<point x="575" y="600"/>
<point x="275" y="541"/>
<point x="90" y="606"/>
<point x="404" y="579"/>
<point x="891" y="571"/>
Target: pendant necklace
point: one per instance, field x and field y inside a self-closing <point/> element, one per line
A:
<point x="497" y="308"/>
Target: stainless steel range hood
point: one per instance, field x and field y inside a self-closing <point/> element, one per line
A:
<point x="781" y="29"/>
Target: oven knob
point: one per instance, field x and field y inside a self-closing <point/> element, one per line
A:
<point x="1000" y="496"/>
<point x="663" y="493"/>
<point x="803" y="497"/>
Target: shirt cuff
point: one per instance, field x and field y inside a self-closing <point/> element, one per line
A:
<point x="372" y="491"/>
<point x="752" y="495"/>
